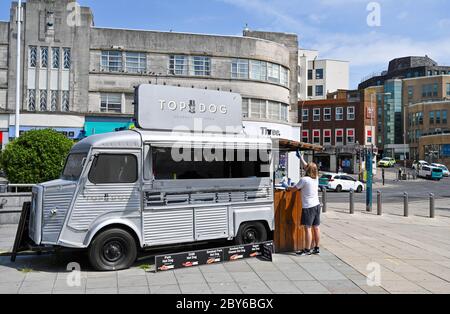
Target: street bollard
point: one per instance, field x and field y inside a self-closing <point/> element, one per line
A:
<point x="432" y="215"/>
<point x="324" y="200"/>
<point x="379" y="204"/>
<point x="352" y="202"/>
<point x="405" y="205"/>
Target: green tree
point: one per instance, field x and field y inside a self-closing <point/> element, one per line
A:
<point x="36" y="156"/>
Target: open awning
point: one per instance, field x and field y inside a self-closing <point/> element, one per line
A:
<point x="292" y="146"/>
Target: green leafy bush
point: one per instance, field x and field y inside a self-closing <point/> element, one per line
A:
<point x="36" y="156"/>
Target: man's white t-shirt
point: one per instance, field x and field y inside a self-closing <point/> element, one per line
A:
<point x="310" y="192"/>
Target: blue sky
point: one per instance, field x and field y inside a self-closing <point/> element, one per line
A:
<point x="337" y="28"/>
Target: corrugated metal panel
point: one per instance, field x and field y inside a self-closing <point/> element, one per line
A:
<point x="211" y="223"/>
<point x="58" y="201"/>
<point x="96" y="201"/>
<point x="158" y="199"/>
<point x="169" y="226"/>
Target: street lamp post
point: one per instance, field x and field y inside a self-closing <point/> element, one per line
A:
<point x="404" y="137"/>
<point x="369" y="155"/>
<point x="19" y="30"/>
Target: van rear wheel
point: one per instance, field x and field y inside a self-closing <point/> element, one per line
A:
<point x="251" y="232"/>
<point x="113" y="249"/>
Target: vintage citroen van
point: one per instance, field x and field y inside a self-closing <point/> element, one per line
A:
<point x="136" y="189"/>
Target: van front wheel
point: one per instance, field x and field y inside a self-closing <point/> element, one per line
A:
<point x="113" y="249"/>
<point x="251" y="232"/>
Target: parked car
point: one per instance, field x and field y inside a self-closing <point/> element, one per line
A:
<point x="431" y="173"/>
<point x="445" y="171"/>
<point x="387" y="162"/>
<point x="417" y="164"/>
<point x="340" y="182"/>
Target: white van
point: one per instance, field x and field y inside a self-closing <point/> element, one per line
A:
<point x="136" y="189"/>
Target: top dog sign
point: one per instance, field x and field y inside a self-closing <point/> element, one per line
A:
<point x="187" y="109"/>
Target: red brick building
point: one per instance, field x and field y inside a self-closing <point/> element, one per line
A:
<point x="342" y="125"/>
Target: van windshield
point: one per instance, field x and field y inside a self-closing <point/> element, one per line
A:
<point x="74" y="166"/>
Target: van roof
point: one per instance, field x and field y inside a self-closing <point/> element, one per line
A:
<point x="134" y="138"/>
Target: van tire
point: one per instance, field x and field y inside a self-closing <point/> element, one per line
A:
<point x="112" y="249"/>
<point x="251" y="232"/>
<point x="359" y="189"/>
<point x="338" y="189"/>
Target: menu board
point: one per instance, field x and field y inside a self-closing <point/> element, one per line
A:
<point x="213" y="256"/>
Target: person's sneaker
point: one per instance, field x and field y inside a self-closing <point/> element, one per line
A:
<point x="316" y="251"/>
<point x="304" y="253"/>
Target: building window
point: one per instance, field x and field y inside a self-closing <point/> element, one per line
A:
<point x="239" y="69"/>
<point x="305" y="115"/>
<point x="448" y="89"/>
<point x="310" y="91"/>
<point x="111" y="61"/>
<point x="32" y="100"/>
<point x="245" y="113"/>
<point x="430" y="73"/>
<point x="65" y="103"/>
<point x="136" y="62"/>
<point x="178" y="65"/>
<point x="444" y="116"/>
<point x="273" y="73"/>
<point x="202" y="66"/>
<point x="339" y="137"/>
<point x="316" y="137"/>
<point x="67" y="58"/>
<point x="284" y="112"/>
<point x="339" y="114"/>
<point x="410" y="92"/>
<point x="438" y="117"/>
<point x="326" y="137"/>
<point x="44" y="57"/>
<point x="350" y="136"/>
<point x="310" y="74"/>
<point x="430" y="90"/>
<point x="258" y="109"/>
<point x="55" y="58"/>
<point x="32" y="57"/>
<point x="305" y="136"/>
<point x="111" y="103"/>
<point x="43" y="100"/>
<point x="258" y="70"/>
<point x="316" y="114"/>
<point x="319" y="74"/>
<point x="319" y="90"/>
<point x="284" y="76"/>
<point x="274" y="111"/>
<point x="431" y="117"/>
<point x="54" y="101"/>
<point x="327" y="114"/>
<point x="351" y="113"/>
<point x="435" y="90"/>
<point x="420" y="118"/>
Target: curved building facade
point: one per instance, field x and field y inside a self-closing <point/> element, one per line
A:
<point x="87" y="74"/>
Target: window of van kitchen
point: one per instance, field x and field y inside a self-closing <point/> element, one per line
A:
<point x="208" y="163"/>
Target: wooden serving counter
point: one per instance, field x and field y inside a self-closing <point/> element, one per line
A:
<point x="289" y="235"/>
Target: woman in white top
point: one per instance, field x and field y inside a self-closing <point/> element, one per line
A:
<point x="309" y="185"/>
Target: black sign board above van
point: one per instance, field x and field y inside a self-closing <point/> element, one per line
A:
<point x="171" y="108"/>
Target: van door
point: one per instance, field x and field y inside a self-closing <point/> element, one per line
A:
<point x="111" y="189"/>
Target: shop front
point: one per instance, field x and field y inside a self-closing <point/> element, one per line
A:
<point x="287" y="163"/>
<point x="100" y="125"/>
<point x="69" y="125"/>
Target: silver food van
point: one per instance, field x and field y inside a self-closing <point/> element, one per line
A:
<point x="132" y="190"/>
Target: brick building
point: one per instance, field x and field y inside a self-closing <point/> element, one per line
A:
<point x="342" y="124"/>
<point x="427" y="103"/>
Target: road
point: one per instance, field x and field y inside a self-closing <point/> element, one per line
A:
<point x="393" y="190"/>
